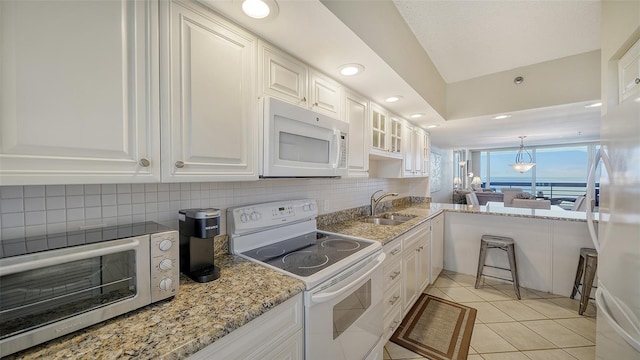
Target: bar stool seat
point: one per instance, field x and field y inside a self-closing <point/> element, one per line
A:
<point x="587" y="266"/>
<point x="502" y="243"/>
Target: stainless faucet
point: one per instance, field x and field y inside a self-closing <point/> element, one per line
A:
<point x="375" y="202"/>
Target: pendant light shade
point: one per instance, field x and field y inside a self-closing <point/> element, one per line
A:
<point x="520" y="165"/>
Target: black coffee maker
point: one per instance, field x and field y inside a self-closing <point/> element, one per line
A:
<point x="198" y="227"/>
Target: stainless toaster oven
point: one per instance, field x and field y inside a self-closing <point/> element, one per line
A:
<point x="52" y="285"/>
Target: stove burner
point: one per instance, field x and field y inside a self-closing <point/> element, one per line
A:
<point x="341" y="244"/>
<point x="270" y="252"/>
<point x="307" y="258"/>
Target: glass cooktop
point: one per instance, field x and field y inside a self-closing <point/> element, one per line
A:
<point x="307" y="254"/>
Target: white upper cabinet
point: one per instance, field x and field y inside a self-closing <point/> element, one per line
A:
<point x="79" y="92"/>
<point x="386" y="134"/>
<point x="357" y="115"/>
<point x="209" y="101"/>
<point x="325" y="95"/>
<point x="416" y="156"/>
<point x="288" y="79"/>
<point x="282" y="76"/>
<point x="629" y="72"/>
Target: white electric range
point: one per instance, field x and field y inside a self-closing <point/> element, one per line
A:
<point x="342" y="275"/>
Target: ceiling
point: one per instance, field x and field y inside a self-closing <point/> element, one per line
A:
<point x="465" y="40"/>
<point x="468" y="39"/>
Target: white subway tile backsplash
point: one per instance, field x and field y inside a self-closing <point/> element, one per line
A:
<point x="11" y="192"/>
<point x="57" y="228"/>
<point x="35" y="230"/>
<point x="73" y="206"/>
<point x="11" y="206"/>
<point x="13" y="220"/>
<point x="35" y="218"/>
<point x="13" y="232"/>
<point x="54" y="190"/>
<point x="55" y="202"/>
<point x="34" y="191"/>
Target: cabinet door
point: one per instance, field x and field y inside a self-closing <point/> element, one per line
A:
<point x="378" y="128"/>
<point x="629" y="72"/>
<point x="325" y="95"/>
<point x="437" y="247"/>
<point x="424" y="265"/>
<point x="395" y="136"/>
<point x="210" y="117"/>
<point x="409" y="153"/>
<point x="283" y="76"/>
<point x="409" y="275"/>
<point x="418" y="150"/>
<point x="79" y="92"/>
<point x="357" y="115"/>
<point x="426" y="154"/>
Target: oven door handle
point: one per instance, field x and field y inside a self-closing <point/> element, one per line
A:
<point x="324" y="297"/>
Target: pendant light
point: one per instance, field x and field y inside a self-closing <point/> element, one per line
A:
<point x="520" y="165"/>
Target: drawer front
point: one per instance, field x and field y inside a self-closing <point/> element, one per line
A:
<point x="391" y="323"/>
<point x="392" y="299"/>
<point x="393" y="251"/>
<point x="392" y="274"/>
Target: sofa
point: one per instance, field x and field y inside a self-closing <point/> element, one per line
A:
<point x="483" y="195"/>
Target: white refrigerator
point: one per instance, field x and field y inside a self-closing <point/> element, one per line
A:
<point x="618" y="236"/>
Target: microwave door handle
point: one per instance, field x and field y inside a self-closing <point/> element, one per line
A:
<point x="65" y="258"/>
<point x="336" y="139"/>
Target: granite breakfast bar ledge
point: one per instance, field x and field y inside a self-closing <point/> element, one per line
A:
<point x="199" y="315"/>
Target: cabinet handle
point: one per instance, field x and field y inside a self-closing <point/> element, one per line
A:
<point x="315" y="104"/>
<point x="179" y="164"/>
<point x="144" y="162"/>
<point x="304" y="99"/>
<point x="394" y="275"/>
<point x="421" y="248"/>
<point x="393" y="325"/>
<point x="393" y="300"/>
<point x="637" y="81"/>
<point x="395" y="251"/>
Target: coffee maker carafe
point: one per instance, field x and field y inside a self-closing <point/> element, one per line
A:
<point x="198" y="227"/>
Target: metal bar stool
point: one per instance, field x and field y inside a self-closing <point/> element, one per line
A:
<point x="503" y="243"/>
<point x="587" y="265"/>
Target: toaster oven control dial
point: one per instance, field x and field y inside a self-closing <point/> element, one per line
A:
<point x="165" y="284"/>
<point x="165" y="244"/>
<point x="165" y="264"/>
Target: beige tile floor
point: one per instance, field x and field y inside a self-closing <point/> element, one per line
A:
<point x="540" y="326"/>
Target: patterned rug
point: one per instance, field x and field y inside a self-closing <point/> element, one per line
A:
<point x="437" y="329"/>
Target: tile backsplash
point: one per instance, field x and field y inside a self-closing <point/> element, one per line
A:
<point x="35" y="210"/>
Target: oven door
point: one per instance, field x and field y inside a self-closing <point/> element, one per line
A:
<point x="301" y="143"/>
<point x="344" y="321"/>
<point x="48" y="294"/>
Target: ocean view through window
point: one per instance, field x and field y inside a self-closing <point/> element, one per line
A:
<point x="560" y="174"/>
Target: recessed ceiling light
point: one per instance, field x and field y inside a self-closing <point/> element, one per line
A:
<point x="594" y="105"/>
<point x="499" y="117"/>
<point x="415" y="116"/>
<point x="392" y="99"/>
<point x="351" y="69"/>
<point x="260" y="9"/>
<point x="432" y="126"/>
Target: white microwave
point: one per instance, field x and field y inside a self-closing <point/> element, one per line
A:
<point x="297" y="142"/>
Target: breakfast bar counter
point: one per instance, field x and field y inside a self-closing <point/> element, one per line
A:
<point x="200" y="314"/>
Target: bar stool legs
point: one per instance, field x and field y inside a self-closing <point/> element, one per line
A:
<point x="502" y="243"/>
<point x="587" y="266"/>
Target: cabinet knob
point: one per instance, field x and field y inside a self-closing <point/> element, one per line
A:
<point x="637" y="81"/>
<point x="304" y="99"/>
<point x="315" y="104"/>
<point x="144" y="162"/>
<point x="179" y="164"/>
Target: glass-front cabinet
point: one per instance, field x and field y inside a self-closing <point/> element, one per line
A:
<point x="386" y="134"/>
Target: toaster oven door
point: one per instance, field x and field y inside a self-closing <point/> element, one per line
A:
<point x="49" y="294"/>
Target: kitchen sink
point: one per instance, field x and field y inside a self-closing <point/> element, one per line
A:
<point x="387" y="219"/>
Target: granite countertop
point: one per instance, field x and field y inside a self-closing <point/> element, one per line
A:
<point x="174" y="329"/>
<point x="425" y="211"/>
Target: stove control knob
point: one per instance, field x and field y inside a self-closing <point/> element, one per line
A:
<point x="165" y="264"/>
<point x="165" y="244"/>
<point x="255" y="216"/>
<point x="244" y="218"/>
<point x="165" y="284"/>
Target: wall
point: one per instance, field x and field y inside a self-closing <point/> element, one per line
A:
<point x="34" y="210"/>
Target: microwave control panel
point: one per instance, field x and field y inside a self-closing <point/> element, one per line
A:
<point x="165" y="266"/>
<point x="344" y="149"/>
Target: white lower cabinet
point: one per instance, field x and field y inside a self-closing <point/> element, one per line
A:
<point x="415" y="264"/>
<point x="209" y="101"/>
<point x="275" y="335"/>
<point x="437" y="247"/>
